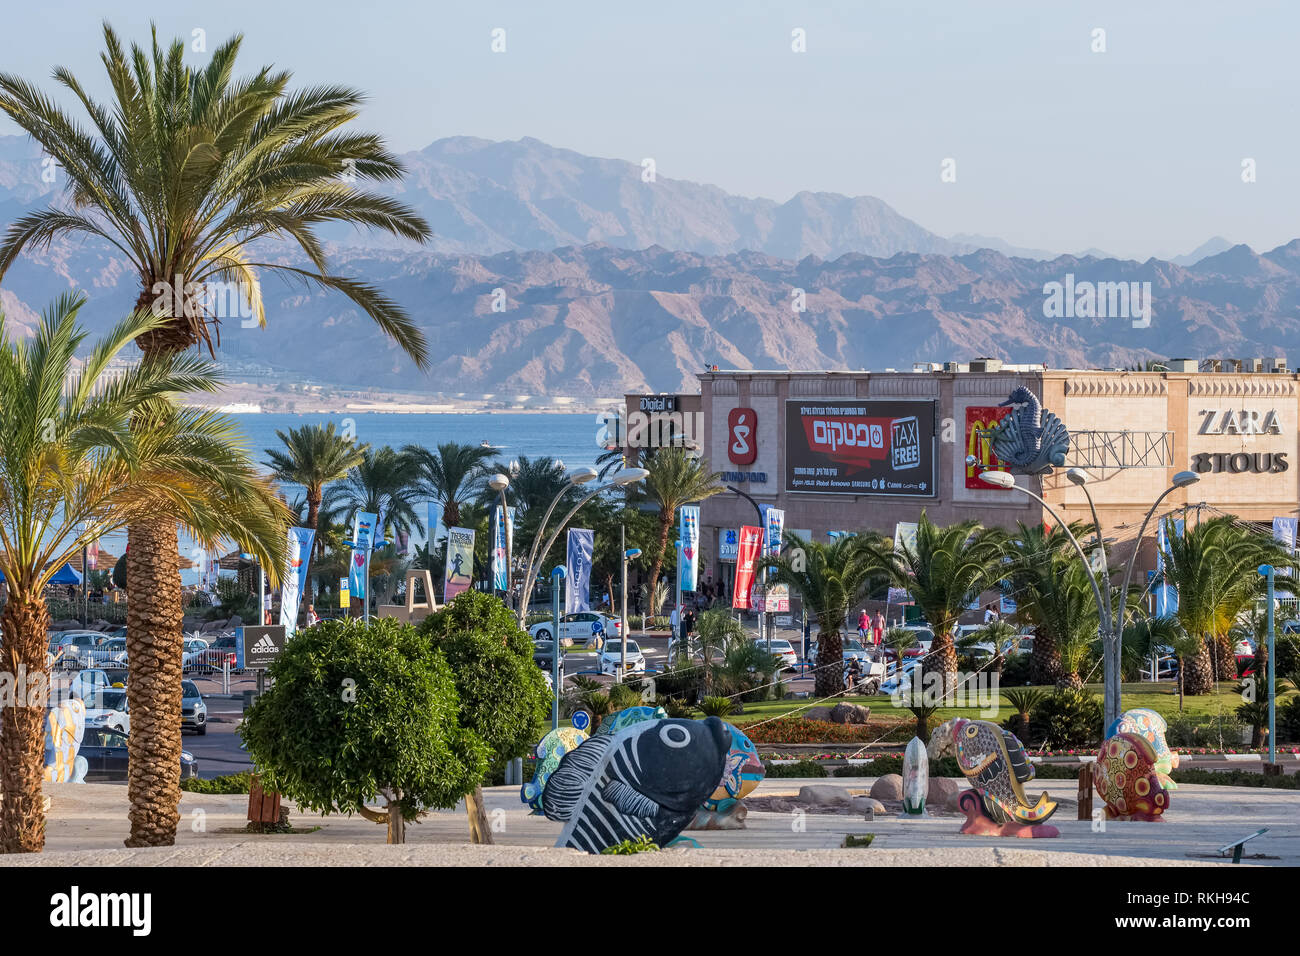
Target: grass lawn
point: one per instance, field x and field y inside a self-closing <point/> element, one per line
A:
<point x="1162" y="698"/>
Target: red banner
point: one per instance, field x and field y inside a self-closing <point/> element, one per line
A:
<point x="751" y="540"/>
<point x="982" y="418"/>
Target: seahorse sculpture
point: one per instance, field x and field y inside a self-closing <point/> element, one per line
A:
<point x="1031" y="438"/>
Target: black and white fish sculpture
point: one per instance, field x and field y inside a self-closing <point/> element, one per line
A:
<point x="648" y="779"/>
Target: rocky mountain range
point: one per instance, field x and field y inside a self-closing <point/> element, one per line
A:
<point x="587" y="282"/>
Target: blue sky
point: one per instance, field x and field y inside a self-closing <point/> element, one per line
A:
<point x="1137" y="150"/>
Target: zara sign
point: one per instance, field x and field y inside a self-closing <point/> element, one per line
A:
<point x="1234" y="421"/>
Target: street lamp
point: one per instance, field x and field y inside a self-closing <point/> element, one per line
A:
<point x="579" y="476"/>
<point x="499" y="483"/>
<point x="1267" y="571"/>
<point x="625" y="476"/>
<point x="1110" y="628"/>
<point x="629" y="554"/>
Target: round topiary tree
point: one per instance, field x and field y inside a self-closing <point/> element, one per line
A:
<point x="361" y="710"/>
<point x="503" y="696"/>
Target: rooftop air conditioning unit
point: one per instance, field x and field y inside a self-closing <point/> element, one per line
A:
<point x="1275" y="364"/>
<point x="1181" y="365"/>
<point x="986" y="365"/>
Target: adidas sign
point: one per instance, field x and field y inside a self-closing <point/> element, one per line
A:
<point x="265" y="645"/>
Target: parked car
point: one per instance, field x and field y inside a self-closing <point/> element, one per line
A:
<point x="106" y="756"/>
<point x="107" y="708"/>
<point x="79" y="648"/>
<point x="194" y="712"/>
<point x="611" y="656"/>
<point x="784" y="650"/>
<point x="580" y="627"/>
<point x="542" y="654"/>
<point x="88" y="681"/>
<point x="924" y="641"/>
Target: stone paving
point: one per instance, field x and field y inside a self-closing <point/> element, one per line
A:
<point x="87" y="824"/>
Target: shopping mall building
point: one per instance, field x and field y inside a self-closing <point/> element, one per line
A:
<point x="845" y="451"/>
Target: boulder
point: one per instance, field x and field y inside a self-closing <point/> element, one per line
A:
<point x="821" y="795"/>
<point x="942" y="790"/>
<point x="816" y="713"/>
<point x="864" y="804"/>
<point x="888" y="787"/>
<point x="850" y="714"/>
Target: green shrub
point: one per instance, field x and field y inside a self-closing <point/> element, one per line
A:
<point x="800" y="768"/>
<point x="231" y="783"/>
<point x="1015" y="671"/>
<point x="1288" y="719"/>
<point x="641" y="844"/>
<point x="1067" y="718"/>
<point x="355" y="709"/>
<point x="621" y="697"/>
<point x="717" y="706"/>
<point x="893" y="763"/>
<point x="677" y="709"/>
<point x="1236" y="778"/>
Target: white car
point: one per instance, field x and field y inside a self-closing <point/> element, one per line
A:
<point x="78" y="647"/>
<point x="611" y="656"/>
<point x="580" y="627"/>
<point x="784" y="650"/>
<point x="194" y="652"/>
<point x="89" y="682"/>
<point x="107" y="710"/>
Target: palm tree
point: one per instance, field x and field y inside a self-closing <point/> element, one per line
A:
<point x="451" y="476"/>
<point x="1213" y="566"/>
<point x="831" y="578"/>
<point x="182" y="173"/>
<point x="385" y="482"/>
<point x="534" y="482"/>
<point x="676" y="478"/>
<point x="947" y="567"/>
<point x="75" y="465"/>
<point x="314" y="456"/>
<point x="1037" y="559"/>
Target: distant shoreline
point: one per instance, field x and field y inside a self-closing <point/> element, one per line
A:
<point x="248" y="399"/>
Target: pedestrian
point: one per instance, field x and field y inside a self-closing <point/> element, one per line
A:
<point x="312" y="616"/>
<point x="266" y="617"/>
<point x="990" y="615"/>
<point x="864" y="625"/>
<point x="878" y="629"/>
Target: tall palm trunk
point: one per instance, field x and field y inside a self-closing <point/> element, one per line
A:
<point x="1045" y="659"/>
<point x="1200" y="673"/>
<point x="1225" y="657"/>
<point x="154" y="642"/>
<point x="22" y="728"/>
<point x="943" y="659"/>
<point x="830" y="657"/>
<point x="665" y="525"/>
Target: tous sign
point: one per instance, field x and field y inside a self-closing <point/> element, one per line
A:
<point x="1240" y="463"/>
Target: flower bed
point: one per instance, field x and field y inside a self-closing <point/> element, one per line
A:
<point x="800" y="730"/>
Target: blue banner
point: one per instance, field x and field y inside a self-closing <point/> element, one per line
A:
<point x="688" y="566"/>
<point x="363" y="529"/>
<point x="294" y="584"/>
<point x="501" y="530"/>
<point x="577" y="567"/>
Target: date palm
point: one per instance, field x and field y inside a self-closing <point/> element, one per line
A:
<point x="1213" y="566"/>
<point x="831" y="578"/>
<point x="945" y="568"/>
<point x="384" y="482"/>
<point x="75" y="465"/>
<point x="677" y="477"/>
<point x="452" y="476"/>
<point x="185" y="173"/>
<point x="1038" y="559"/>
<point x="313" y="456"/>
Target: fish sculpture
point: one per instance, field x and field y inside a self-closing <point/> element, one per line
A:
<point x="65" y="725"/>
<point x="993" y="761"/>
<point x="548" y="752"/>
<point x="741" y="773"/>
<point x="1126" y="779"/>
<point x="647" y="779"/>
<point x="1150" y="726"/>
<point x="1030" y="438"/>
<point x="630" y="715"/>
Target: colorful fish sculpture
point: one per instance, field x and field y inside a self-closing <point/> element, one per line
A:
<point x="647" y="779"/>
<point x="548" y="752"/>
<point x="1152" y="727"/>
<point x="1126" y="778"/>
<point x="993" y="762"/>
<point x="65" y="725"/>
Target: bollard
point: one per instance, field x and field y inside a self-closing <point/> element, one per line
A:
<point x="1085" y="791"/>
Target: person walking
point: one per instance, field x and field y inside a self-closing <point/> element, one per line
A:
<point x="864" y="625"/>
<point x="878" y="629"/>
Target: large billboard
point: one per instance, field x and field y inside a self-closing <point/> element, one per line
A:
<point x="860" y="447"/>
<point x="980" y="420"/>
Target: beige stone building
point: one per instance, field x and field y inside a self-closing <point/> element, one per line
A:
<point x="858" y="450"/>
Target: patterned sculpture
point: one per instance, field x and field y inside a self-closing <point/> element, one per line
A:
<point x="631" y="715"/>
<point x="993" y="761"/>
<point x="647" y="779"/>
<point x="65" y="725"/>
<point x="1030" y="438"/>
<point x="1126" y="779"/>
<point x="1151" y="726"/>
<point x="549" y="751"/>
<point x="741" y="773"/>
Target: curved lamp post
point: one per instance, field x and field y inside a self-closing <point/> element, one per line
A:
<point x="628" y="555"/>
<point x="625" y="476"/>
<point x="499" y="483"/>
<point x="579" y="476"/>
<point x="1109" y="627"/>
